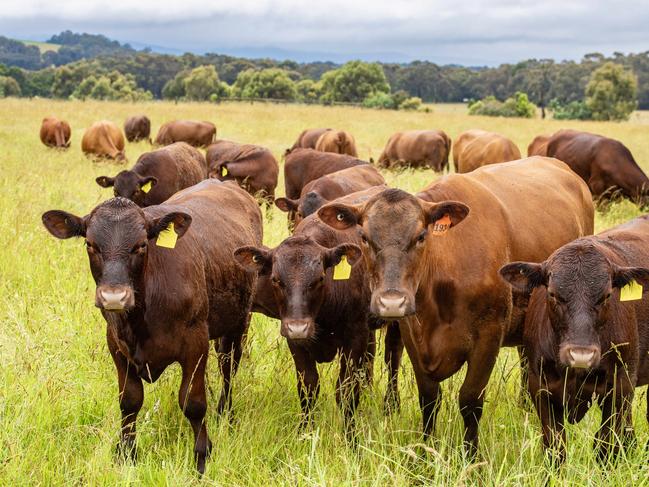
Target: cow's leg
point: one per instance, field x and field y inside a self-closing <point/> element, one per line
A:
<point x="193" y="400"/>
<point x="617" y="424"/>
<point x="523" y="394"/>
<point x="368" y="359"/>
<point x="308" y="385"/>
<point x="348" y="387"/>
<point x="480" y="363"/>
<point x="393" y="353"/>
<point x="229" y="354"/>
<point x="551" y="414"/>
<point x="131" y="397"/>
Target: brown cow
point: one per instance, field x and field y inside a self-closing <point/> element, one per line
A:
<point x="253" y="167"/>
<point x="338" y="142"/>
<point x="138" y="128"/>
<point x="417" y="148"/>
<point x="103" y="139"/>
<point x="605" y="164"/>
<point x="163" y="304"/>
<point x="305" y="165"/>
<point x="307" y="139"/>
<point x="198" y="134"/>
<point x="539" y="146"/>
<point x="55" y="133"/>
<point x="442" y="282"/>
<point x="159" y="174"/>
<point x="327" y="188"/>
<point x="582" y="342"/>
<point x="476" y="148"/>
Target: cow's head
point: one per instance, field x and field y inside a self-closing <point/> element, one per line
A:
<point x="298" y="271"/>
<point x="394" y="228"/>
<point x="117" y="234"/>
<point x="581" y="285"/>
<point x="129" y="184"/>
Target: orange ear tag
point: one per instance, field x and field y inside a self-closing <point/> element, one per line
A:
<point x="441" y="226"/>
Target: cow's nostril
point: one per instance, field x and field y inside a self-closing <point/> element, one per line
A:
<point x="581" y="358"/>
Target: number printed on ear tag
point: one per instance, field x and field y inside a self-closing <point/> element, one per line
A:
<point x="442" y="225"/>
<point x="631" y="292"/>
<point x="343" y="270"/>
<point x="167" y="238"/>
<point x="147" y="187"/>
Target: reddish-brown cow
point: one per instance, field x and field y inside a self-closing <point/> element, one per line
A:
<point x="338" y="142"/>
<point x="137" y="128"/>
<point x="417" y="148"/>
<point x="103" y="139"/>
<point x="55" y="133"/>
<point x="440" y="279"/>
<point x="605" y="164"/>
<point x="538" y="146"/>
<point x="162" y="304"/>
<point x="307" y="139"/>
<point x="477" y="148"/>
<point x="198" y="134"/>
<point x="159" y="174"/>
<point x="582" y="342"/>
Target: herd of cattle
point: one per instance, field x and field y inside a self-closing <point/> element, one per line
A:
<point x="499" y="254"/>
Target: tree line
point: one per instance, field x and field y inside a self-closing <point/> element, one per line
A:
<point x="121" y="72"/>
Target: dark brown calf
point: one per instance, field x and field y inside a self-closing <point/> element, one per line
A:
<point x="327" y="188"/>
<point x="253" y="167"/>
<point x="440" y="279"/>
<point x="605" y="164"/>
<point x="137" y="128"/>
<point x="163" y="305"/>
<point x="198" y="134"/>
<point x="55" y="133"/>
<point x="581" y="340"/>
<point x="158" y="174"/>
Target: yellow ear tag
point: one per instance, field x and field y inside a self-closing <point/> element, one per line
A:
<point x="631" y="292"/>
<point x="147" y="187"/>
<point x="442" y="225"/>
<point x="167" y="238"/>
<point x="343" y="270"/>
<point x="224" y="171"/>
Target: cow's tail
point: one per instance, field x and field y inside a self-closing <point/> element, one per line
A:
<point x="59" y="137"/>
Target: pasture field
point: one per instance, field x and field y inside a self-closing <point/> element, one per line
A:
<point x="59" y="416"/>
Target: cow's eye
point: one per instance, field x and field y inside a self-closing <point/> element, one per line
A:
<point x="421" y="238"/>
<point x="363" y="239"/>
<point x="141" y="247"/>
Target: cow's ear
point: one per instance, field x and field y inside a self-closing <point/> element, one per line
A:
<point x="624" y="275"/>
<point x="105" y="181"/>
<point x="286" y="204"/>
<point x="64" y="225"/>
<point x="524" y="276"/>
<point x="257" y="259"/>
<point x="333" y="256"/>
<point x="340" y="216"/>
<point x="181" y="222"/>
<point x="144" y="181"/>
<point x="448" y="213"/>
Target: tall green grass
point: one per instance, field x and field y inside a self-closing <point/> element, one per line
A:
<point x="59" y="417"/>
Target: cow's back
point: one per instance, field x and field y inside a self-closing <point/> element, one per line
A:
<point x="487" y="148"/>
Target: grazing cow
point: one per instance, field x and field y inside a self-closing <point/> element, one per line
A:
<point x="253" y="167"/>
<point x="440" y="279"/>
<point x="304" y="165"/>
<point x="327" y="188"/>
<point x="605" y="164"/>
<point x="322" y="299"/>
<point x="164" y="300"/>
<point x="584" y="340"/>
<point x="159" y="174"/>
<point x="338" y="142"/>
<point x="103" y="139"/>
<point x="477" y="148"/>
<point x="417" y="148"/>
<point x="539" y="146"/>
<point x="55" y="133"/>
<point x="198" y="134"/>
<point x="138" y="128"/>
<point x="307" y="139"/>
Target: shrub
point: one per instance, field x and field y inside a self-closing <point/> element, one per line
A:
<point x="113" y="86"/>
<point x="9" y="87"/>
<point x="271" y="83"/>
<point x="380" y="100"/>
<point x="518" y="105"/>
<point x="308" y="91"/>
<point x="203" y="83"/>
<point x="412" y="103"/>
<point x="575" y="110"/>
<point x="611" y="92"/>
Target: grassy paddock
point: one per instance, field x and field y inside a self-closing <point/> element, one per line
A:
<point x="59" y="417"/>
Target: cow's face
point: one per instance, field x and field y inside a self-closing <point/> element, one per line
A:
<point x="394" y="228"/>
<point x="580" y="286"/>
<point x="117" y="235"/>
<point x="297" y="268"/>
<point x="129" y="185"/>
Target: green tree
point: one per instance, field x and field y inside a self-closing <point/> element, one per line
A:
<point x="175" y="87"/>
<point x="203" y="83"/>
<point x="308" y="91"/>
<point x="354" y="82"/>
<point x="266" y="83"/>
<point x="611" y="93"/>
<point x="9" y="87"/>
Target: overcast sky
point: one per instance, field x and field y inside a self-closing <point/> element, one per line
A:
<point x="469" y="32"/>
